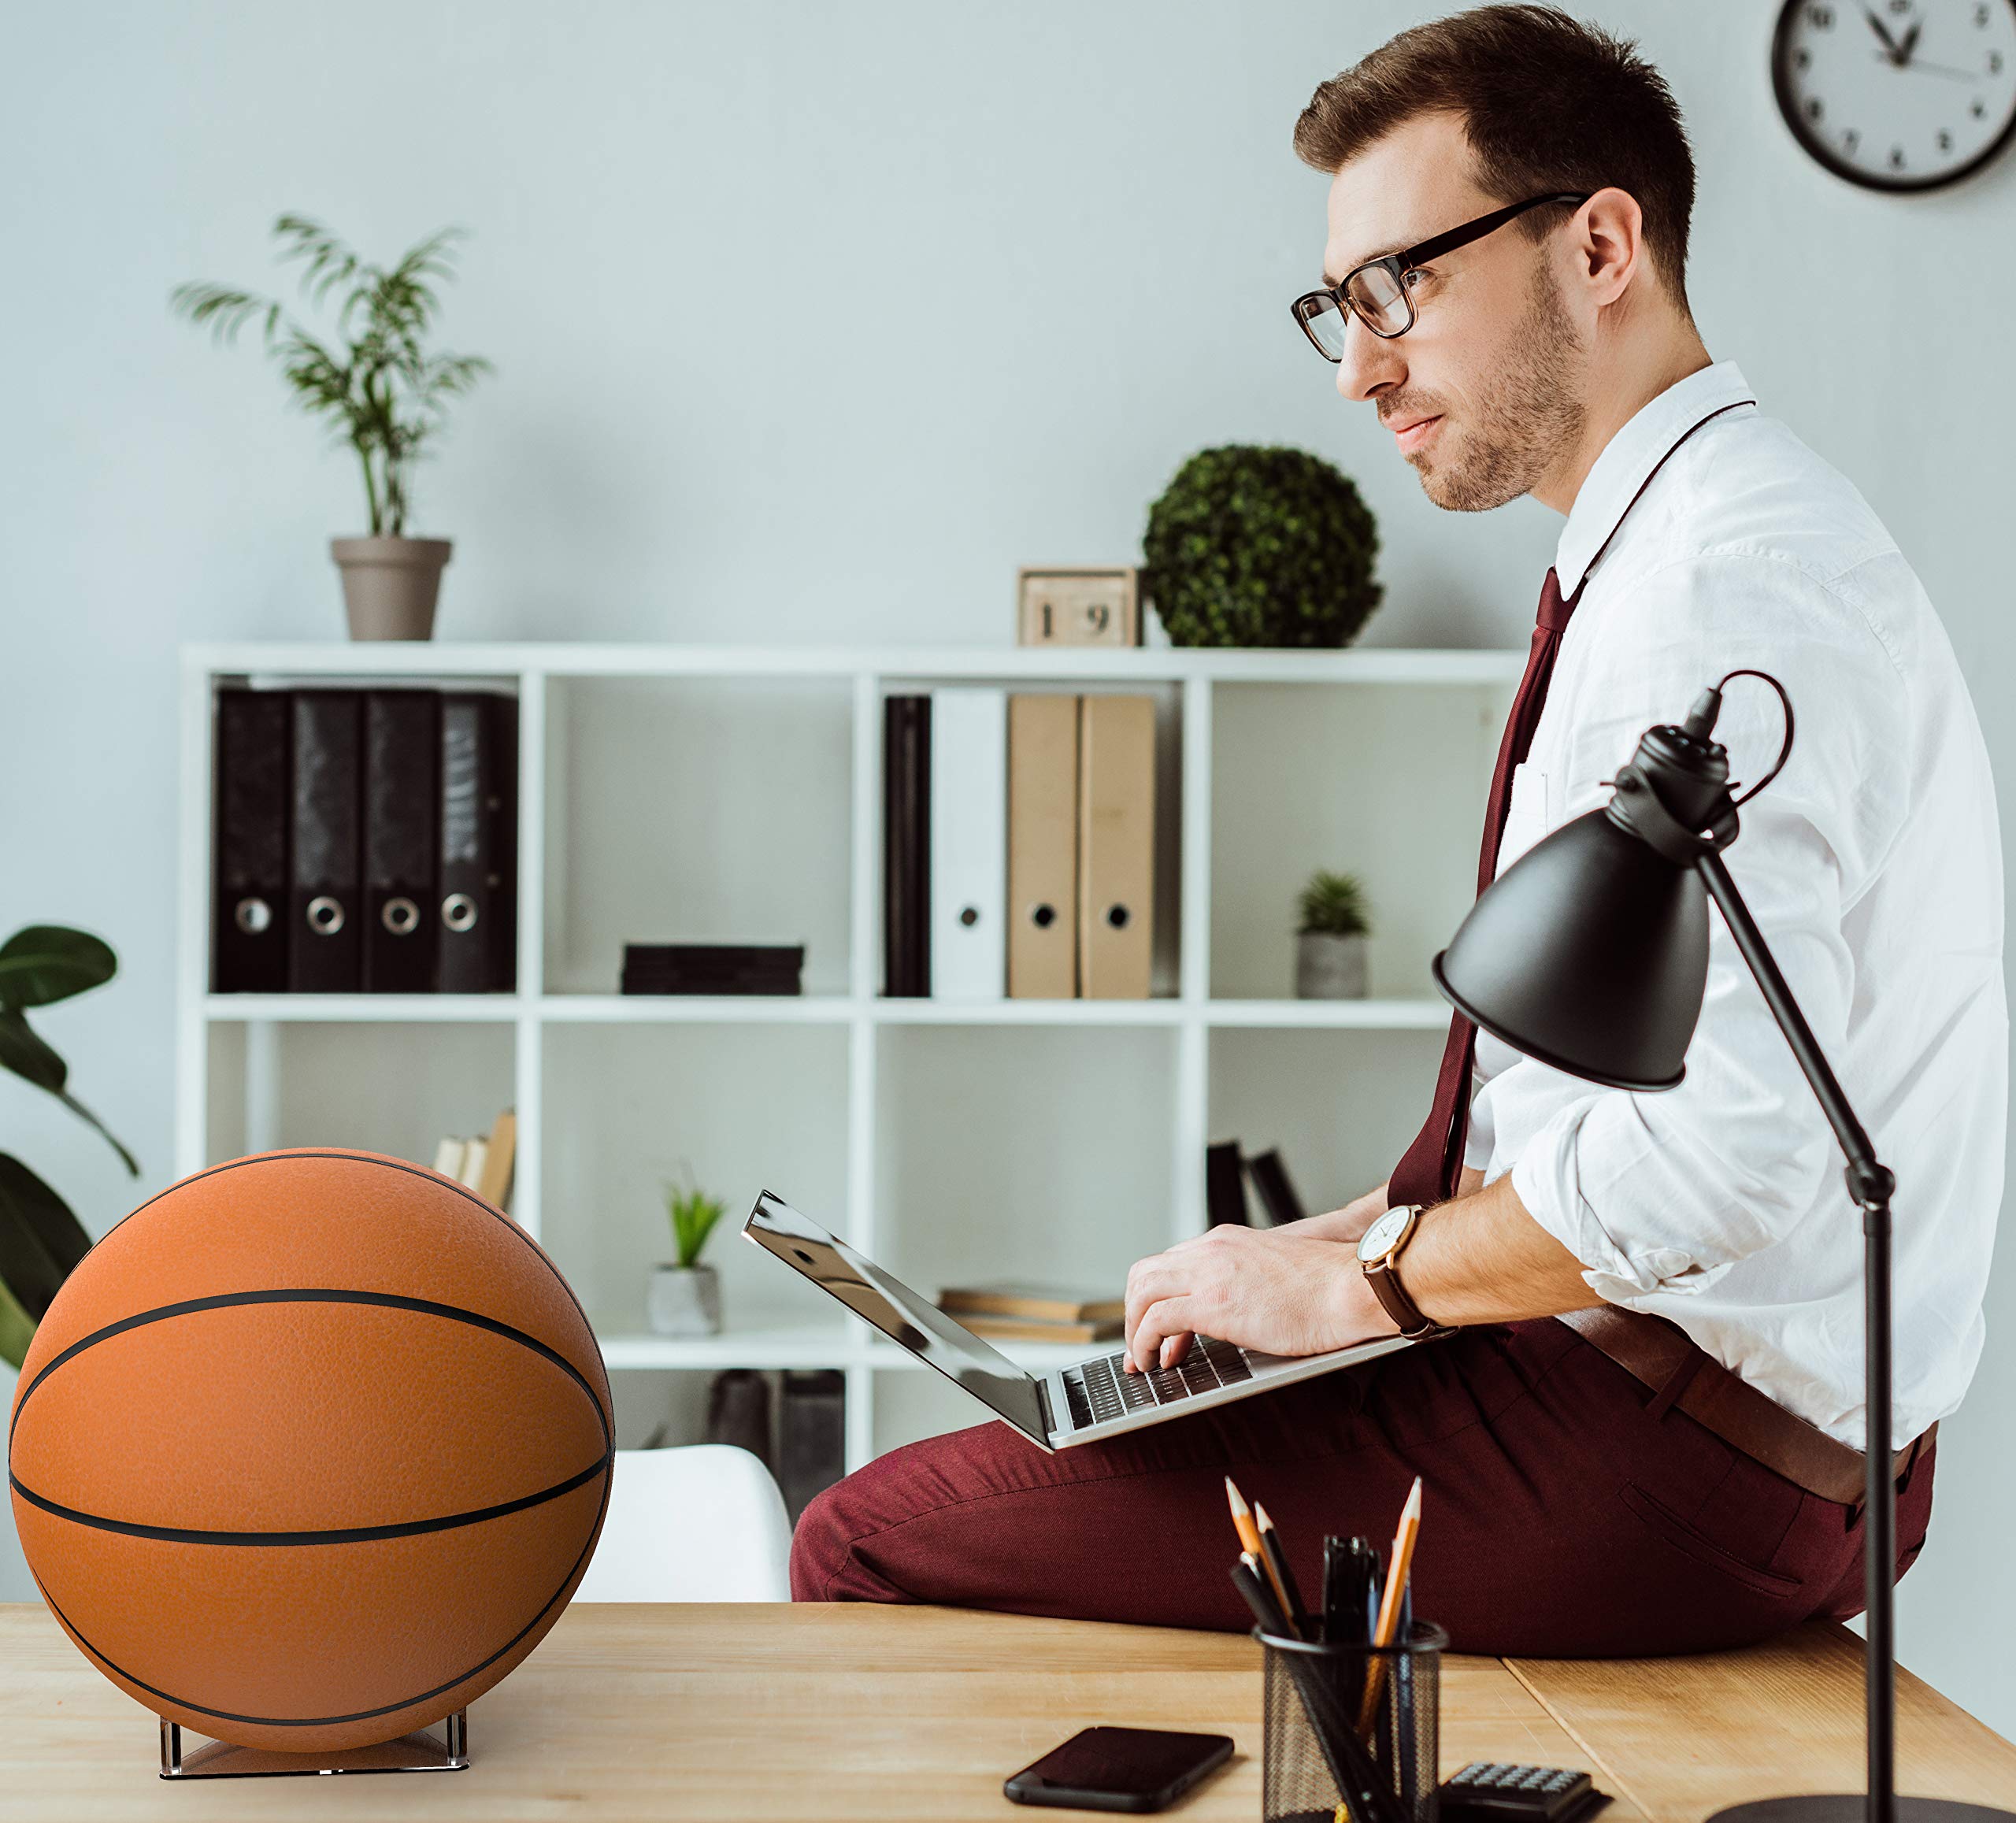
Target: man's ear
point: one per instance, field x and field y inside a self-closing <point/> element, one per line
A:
<point x="1608" y="245"/>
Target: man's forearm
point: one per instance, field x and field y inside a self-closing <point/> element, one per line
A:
<point x="1481" y="1259"/>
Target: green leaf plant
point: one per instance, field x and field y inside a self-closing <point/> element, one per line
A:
<point x="41" y="1241"/>
<point x="693" y="1218"/>
<point x="1333" y="905"/>
<point x="380" y="390"/>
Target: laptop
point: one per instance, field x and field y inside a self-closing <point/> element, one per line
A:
<point x="1079" y="1404"/>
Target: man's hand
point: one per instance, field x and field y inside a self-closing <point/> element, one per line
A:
<point x="1277" y="1291"/>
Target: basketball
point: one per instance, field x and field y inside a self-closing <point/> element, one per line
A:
<point x="311" y="1450"/>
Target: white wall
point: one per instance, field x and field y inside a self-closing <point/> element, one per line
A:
<point x="813" y="322"/>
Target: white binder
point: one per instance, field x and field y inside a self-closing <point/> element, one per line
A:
<point x="969" y="844"/>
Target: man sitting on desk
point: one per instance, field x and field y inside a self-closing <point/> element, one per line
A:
<point x="1640" y="1422"/>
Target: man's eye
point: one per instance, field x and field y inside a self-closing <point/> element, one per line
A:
<point x="1412" y="277"/>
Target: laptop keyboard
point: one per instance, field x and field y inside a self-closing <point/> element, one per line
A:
<point x="1100" y="1389"/>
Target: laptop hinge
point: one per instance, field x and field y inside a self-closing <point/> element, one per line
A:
<point x="1050" y="1424"/>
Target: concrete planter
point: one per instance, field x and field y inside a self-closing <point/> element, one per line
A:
<point x="684" y="1301"/>
<point x="1329" y="968"/>
<point x="390" y="584"/>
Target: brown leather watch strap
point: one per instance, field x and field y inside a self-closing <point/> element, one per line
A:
<point x="1386" y="1286"/>
<point x="1656" y="1352"/>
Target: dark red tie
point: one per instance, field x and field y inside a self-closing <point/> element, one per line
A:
<point x="1429" y="1171"/>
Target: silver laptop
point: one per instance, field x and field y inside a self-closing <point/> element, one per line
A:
<point x="1089" y="1400"/>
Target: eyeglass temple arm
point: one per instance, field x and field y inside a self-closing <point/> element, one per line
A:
<point x="1484" y="224"/>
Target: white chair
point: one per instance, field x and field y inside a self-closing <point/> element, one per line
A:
<point x="704" y="1523"/>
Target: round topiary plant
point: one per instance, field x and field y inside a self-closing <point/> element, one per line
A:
<point x="1257" y="546"/>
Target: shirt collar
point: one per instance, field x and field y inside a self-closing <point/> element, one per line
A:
<point x="1620" y="473"/>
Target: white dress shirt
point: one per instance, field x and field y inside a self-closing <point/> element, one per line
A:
<point x="1872" y="866"/>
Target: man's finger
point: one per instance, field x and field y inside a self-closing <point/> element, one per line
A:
<point x="1163" y="1319"/>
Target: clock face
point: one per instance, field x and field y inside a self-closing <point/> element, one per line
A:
<point x="1898" y="95"/>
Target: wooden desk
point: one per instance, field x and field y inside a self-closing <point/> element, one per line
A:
<point x="748" y="1714"/>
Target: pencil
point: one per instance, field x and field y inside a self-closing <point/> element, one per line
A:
<point x="1401" y="1561"/>
<point x="1388" y="1627"/>
<point x="1277" y="1562"/>
<point x="1249" y="1537"/>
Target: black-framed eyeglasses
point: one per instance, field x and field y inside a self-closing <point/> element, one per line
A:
<point x="1378" y="291"/>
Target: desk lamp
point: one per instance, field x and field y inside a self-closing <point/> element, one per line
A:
<point x="1590" y="952"/>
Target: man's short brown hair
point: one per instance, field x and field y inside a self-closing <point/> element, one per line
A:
<point x="1547" y="103"/>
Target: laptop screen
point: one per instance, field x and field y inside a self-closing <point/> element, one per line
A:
<point x="930" y="1335"/>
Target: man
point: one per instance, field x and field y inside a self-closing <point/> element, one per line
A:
<point x="1644" y="1434"/>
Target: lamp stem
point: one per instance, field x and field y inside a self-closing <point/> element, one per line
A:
<point x="1880" y="1516"/>
<point x="1871" y="1184"/>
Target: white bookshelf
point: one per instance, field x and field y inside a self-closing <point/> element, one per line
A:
<point x="698" y="793"/>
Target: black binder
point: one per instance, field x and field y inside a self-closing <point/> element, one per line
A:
<point x="478" y="889"/>
<point x="1277" y="1196"/>
<point x="812" y="1446"/>
<point x="324" y="950"/>
<point x="249" y="898"/>
<point x="1225" y="1189"/>
<point x="402" y="821"/>
<point x="906" y="846"/>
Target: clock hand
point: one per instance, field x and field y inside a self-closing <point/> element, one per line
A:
<point x="1936" y="69"/>
<point x="1882" y="31"/>
<point x="1910" y="41"/>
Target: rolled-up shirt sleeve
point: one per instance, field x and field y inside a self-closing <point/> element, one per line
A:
<point x="1658" y="1193"/>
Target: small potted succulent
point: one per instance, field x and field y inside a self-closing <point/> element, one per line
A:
<point x="382" y="394"/>
<point x="685" y="1297"/>
<point x="1330" y="953"/>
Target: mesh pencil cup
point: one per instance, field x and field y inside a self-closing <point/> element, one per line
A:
<point x="1355" y="1725"/>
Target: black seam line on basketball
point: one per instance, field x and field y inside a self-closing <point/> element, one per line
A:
<point x="315" y="1294"/>
<point x="461" y="1190"/>
<point x="341" y="1535"/>
<point x="362" y="1715"/>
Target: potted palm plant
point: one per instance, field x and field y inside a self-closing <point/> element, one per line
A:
<point x="685" y="1297"/>
<point x="381" y="392"/>
<point x="1330" y="953"/>
<point x="41" y="1241"/>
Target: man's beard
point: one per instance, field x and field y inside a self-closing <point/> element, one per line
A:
<point x="1522" y="425"/>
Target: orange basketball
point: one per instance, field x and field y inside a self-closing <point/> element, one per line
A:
<point x="311" y="1450"/>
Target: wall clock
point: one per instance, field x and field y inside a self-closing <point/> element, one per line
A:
<point x="1898" y="95"/>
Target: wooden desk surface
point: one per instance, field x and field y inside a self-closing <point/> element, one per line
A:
<point x="749" y="1714"/>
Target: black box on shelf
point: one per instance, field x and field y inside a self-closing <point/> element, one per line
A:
<point x="712" y="968"/>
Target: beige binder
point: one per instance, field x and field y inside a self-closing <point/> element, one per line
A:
<point x="1043" y="847"/>
<point x="1116" y="845"/>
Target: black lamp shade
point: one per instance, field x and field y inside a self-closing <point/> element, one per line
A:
<point x="1590" y="952"/>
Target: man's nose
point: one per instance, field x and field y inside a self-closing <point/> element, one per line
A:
<point x="1372" y="364"/>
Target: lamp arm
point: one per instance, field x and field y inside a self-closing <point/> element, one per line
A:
<point x="1870" y="1184"/>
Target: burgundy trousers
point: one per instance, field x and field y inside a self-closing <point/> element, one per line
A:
<point x="1567" y="1510"/>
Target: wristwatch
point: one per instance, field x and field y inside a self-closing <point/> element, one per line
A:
<point x="1377" y="1250"/>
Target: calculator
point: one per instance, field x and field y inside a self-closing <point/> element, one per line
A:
<point x="1488" y="1793"/>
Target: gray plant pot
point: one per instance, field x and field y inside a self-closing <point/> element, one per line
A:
<point x="390" y="584"/>
<point x="684" y="1301"/>
<point x="1329" y="967"/>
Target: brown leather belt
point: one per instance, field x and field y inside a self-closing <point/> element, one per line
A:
<point x="1663" y="1356"/>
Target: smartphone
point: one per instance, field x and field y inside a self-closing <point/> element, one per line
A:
<point x="1119" y="1768"/>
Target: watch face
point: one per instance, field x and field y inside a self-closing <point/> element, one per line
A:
<point x="1378" y="1239"/>
<point x="1897" y="94"/>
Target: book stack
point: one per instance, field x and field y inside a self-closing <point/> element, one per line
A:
<point x="482" y="1165"/>
<point x="712" y="968"/>
<point x="1017" y="1311"/>
<point x="365" y="842"/>
<point x="1018" y="846"/>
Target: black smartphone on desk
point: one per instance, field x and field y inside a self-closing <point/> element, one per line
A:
<point x="1119" y="1768"/>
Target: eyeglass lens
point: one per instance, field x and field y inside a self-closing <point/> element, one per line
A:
<point x="1376" y="296"/>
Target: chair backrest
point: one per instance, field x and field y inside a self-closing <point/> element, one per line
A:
<point x="704" y="1523"/>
